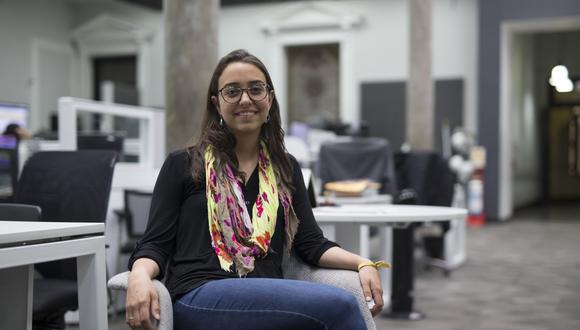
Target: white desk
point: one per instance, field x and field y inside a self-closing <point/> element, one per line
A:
<point x="373" y="214"/>
<point x="22" y="244"/>
<point x="386" y="216"/>
<point x="344" y="233"/>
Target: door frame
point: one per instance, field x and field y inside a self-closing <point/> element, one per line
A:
<point x="509" y="29"/>
<point x="35" y="121"/>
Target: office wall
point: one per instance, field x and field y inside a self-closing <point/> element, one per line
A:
<point x="379" y="46"/>
<point x="492" y="14"/>
<point x="21" y="22"/>
<point x="146" y="19"/>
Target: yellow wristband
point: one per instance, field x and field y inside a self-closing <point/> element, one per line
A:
<point x="376" y="264"/>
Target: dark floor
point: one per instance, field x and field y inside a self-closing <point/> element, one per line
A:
<point x="520" y="274"/>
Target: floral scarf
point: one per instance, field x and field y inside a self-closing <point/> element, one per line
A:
<point x="237" y="238"/>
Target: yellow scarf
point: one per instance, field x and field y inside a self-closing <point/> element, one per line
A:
<point x="236" y="238"/>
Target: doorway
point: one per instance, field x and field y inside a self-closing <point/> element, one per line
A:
<point x="122" y="72"/>
<point x="542" y="143"/>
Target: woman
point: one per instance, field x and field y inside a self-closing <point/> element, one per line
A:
<point x="225" y="211"/>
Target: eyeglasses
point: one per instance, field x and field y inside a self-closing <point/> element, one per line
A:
<point x="233" y="94"/>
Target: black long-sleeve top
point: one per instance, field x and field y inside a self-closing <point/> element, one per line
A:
<point x="177" y="235"/>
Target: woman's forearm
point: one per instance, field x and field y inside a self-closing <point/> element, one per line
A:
<point x="145" y="266"/>
<point x="336" y="257"/>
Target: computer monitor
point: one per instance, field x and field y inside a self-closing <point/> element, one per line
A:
<point x="13" y="113"/>
<point x="8" y="166"/>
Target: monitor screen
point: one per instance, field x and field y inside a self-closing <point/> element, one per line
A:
<point x="13" y="113"/>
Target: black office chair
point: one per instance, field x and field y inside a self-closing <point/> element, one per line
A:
<point x="19" y="212"/>
<point x="361" y="158"/>
<point x="428" y="174"/>
<point x="69" y="186"/>
<point x="135" y="214"/>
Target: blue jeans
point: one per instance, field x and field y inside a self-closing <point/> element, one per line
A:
<point x="269" y="304"/>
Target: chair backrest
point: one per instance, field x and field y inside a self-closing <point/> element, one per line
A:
<point x="137" y="205"/>
<point x="427" y="173"/>
<point x="361" y="158"/>
<point x="19" y="212"/>
<point x="69" y="186"/>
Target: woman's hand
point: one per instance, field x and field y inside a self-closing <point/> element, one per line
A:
<point x="370" y="281"/>
<point x="142" y="301"/>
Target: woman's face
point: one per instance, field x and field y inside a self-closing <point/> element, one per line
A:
<point x="246" y="83"/>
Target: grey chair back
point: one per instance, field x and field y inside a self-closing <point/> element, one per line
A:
<point x="361" y="158"/>
<point x="137" y="204"/>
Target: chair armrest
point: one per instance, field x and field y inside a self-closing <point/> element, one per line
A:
<point x="119" y="282"/>
<point x="120" y="213"/>
<point x="347" y="280"/>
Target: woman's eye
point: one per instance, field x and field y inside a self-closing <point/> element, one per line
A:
<point x="232" y="91"/>
<point x="257" y="90"/>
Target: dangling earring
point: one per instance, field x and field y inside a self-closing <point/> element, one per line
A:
<point x="221" y="121"/>
<point x="268" y="118"/>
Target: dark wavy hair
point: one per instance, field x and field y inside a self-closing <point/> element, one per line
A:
<point x="224" y="142"/>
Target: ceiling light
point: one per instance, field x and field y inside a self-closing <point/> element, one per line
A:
<point x="559" y="73"/>
<point x="564" y="86"/>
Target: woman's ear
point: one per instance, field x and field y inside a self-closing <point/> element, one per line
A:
<point x="215" y="102"/>
<point x="271" y="99"/>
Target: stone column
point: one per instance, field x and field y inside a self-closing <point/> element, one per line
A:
<point x="191" y="43"/>
<point x="420" y="108"/>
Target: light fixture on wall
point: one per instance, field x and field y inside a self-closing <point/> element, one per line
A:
<point x="560" y="80"/>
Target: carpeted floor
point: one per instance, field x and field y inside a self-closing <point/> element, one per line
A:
<point x="521" y="274"/>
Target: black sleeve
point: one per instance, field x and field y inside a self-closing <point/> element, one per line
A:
<point x="309" y="243"/>
<point x="158" y="241"/>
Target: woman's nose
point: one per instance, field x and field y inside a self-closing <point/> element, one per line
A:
<point x="245" y="98"/>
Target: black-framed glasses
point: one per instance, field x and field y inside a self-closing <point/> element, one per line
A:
<point x="233" y="94"/>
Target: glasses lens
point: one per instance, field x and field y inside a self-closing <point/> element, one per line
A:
<point x="231" y="94"/>
<point x="258" y="92"/>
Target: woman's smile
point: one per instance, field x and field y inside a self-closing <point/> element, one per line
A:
<point x="244" y="100"/>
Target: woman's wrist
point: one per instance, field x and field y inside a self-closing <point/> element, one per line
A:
<point x="375" y="264"/>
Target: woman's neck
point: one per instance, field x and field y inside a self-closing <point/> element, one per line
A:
<point x="247" y="148"/>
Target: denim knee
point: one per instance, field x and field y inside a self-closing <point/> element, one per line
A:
<point x="346" y="303"/>
<point x="345" y="310"/>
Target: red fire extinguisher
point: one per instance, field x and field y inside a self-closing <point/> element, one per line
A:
<point x="476" y="215"/>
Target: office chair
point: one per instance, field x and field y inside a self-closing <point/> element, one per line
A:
<point x="19" y="212"/>
<point x="292" y="268"/>
<point x="135" y="214"/>
<point x="428" y="174"/>
<point x="361" y="158"/>
<point x="69" y="186"/>
<point x="99" y="141"/>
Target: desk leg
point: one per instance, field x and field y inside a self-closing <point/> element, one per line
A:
<point x="403" y="275"/>
<point x="16" y="285"/>
<point x="386" y="254"/>
<point x="92" y="289"/>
